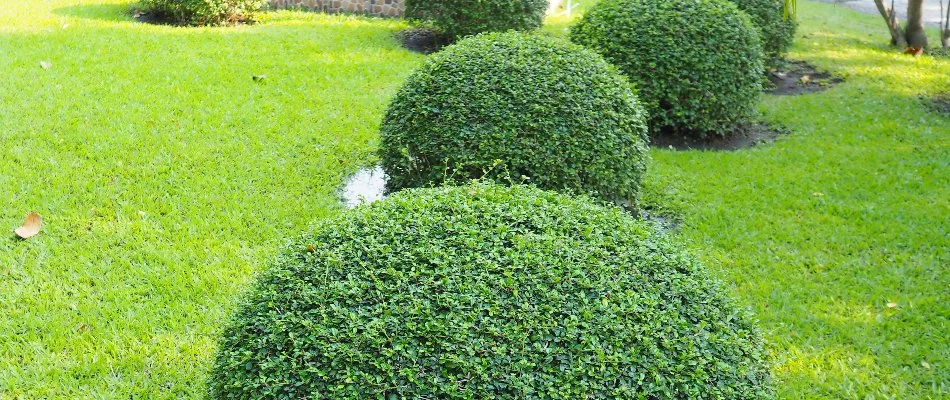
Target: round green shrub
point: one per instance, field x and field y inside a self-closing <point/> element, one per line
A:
<point x="776" y="32"/>
<point x="457" y="18"/>
<point x="697" y="63"/>
<point x="517" y="105"/>
<point x="488" y="292"/>
<point x="203" y="12"/>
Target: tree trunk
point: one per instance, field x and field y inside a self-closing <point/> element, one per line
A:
<point x="890" y="17"/>
<point x="945" y="26"/>
<point x="915" y="34"/>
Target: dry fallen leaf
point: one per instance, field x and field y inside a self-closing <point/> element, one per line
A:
<point x="805" y="79"/>
<point x="892" y="305"/>
<point x="46" y="64"/>
<point x="31" y="227"/>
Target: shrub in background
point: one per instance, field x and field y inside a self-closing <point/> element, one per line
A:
<point x="488" y="292"/>
<point x="697" y="63"/>
<point x="457" y="18"/>
<point x="776" y="31"/>
<point x="543" y="108"/>
<point x="203" y="12"/>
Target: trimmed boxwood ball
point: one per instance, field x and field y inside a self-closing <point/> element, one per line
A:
<point x="487" y="292"/>
<point x="517" y="105"/>
<point x="697" y="63"/>
<point x="203" y="12"/>
<point x="458" y="18"/>
<point x="776" y="32"/>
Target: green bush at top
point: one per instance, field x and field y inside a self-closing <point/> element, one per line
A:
<point x="543" y="108"/>
<point x="203" y="12"/>
<point x="488" y="292"/>
<point x="697" y="63"/>
<point x="776" y="31"/>
<point x="457" y="18"/>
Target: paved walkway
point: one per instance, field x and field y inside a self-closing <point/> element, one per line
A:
<point x="931" y="8"/>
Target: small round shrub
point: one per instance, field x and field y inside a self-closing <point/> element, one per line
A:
<point x="697" y="63"/>
<point x="776" y="32"/>
<point x="458" y="18"/>
<point x="203" y="12"/>
<point x="488" y="292"/>
<point x="517" y="105"/>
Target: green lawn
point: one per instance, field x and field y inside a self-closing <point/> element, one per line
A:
<point x="166" y="177"/>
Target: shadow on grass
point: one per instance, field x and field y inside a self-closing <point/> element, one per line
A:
<point x="102" y="12"/>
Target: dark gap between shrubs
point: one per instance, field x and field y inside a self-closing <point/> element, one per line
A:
<point x="159" y="18"/>
<point x="423" y="40"/>
<point x="368" y="185"/>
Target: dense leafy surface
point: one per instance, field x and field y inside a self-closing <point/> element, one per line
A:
<point x="203" y="12"/>
<point x="458" y="18"/>
<point x="776" y="31"/>
<point x="817" y="232"/>
<point x="485" y="291"/>
<point x="697" y="63"/>
<point x="519" y="105"/>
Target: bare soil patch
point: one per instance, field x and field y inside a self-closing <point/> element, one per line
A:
<point x="744" y="136"/>
<point x="799" y="77"/>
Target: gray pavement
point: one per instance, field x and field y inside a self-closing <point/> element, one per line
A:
<point x="931" y="8"/>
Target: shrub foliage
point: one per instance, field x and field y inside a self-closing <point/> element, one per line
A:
<point x="203" y="12"/>
<point x="697" y="63"/>
<point x="776" y="31"/>
<point x="487" y="292"/>
<point x="457" y="18"/>
<point x="542" y="108"/>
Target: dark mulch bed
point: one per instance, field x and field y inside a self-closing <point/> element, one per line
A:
<point x="747" y="135"/>
<point x="422" y="40"/>
<point x="940" y="103"/>
<point x="799" y="77"/>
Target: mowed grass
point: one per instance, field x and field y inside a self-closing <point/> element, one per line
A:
<point x="166" y="178"/>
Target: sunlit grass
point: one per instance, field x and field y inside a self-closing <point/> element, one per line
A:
<point x="166" y="177"/>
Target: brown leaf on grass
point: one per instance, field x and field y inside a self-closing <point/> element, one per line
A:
<point x="46" y="64"/>
<point x="805" y="79"/>
<point x="31" y="227"/>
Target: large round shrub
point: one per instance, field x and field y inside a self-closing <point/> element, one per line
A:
<point x="457" y="18"/>
<point x="540" y="107"/>
<point x="697" y="63"/>
<point x="203" y="12"/>
<point x="776" y="31"/>
<point x="488" y="292"/>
